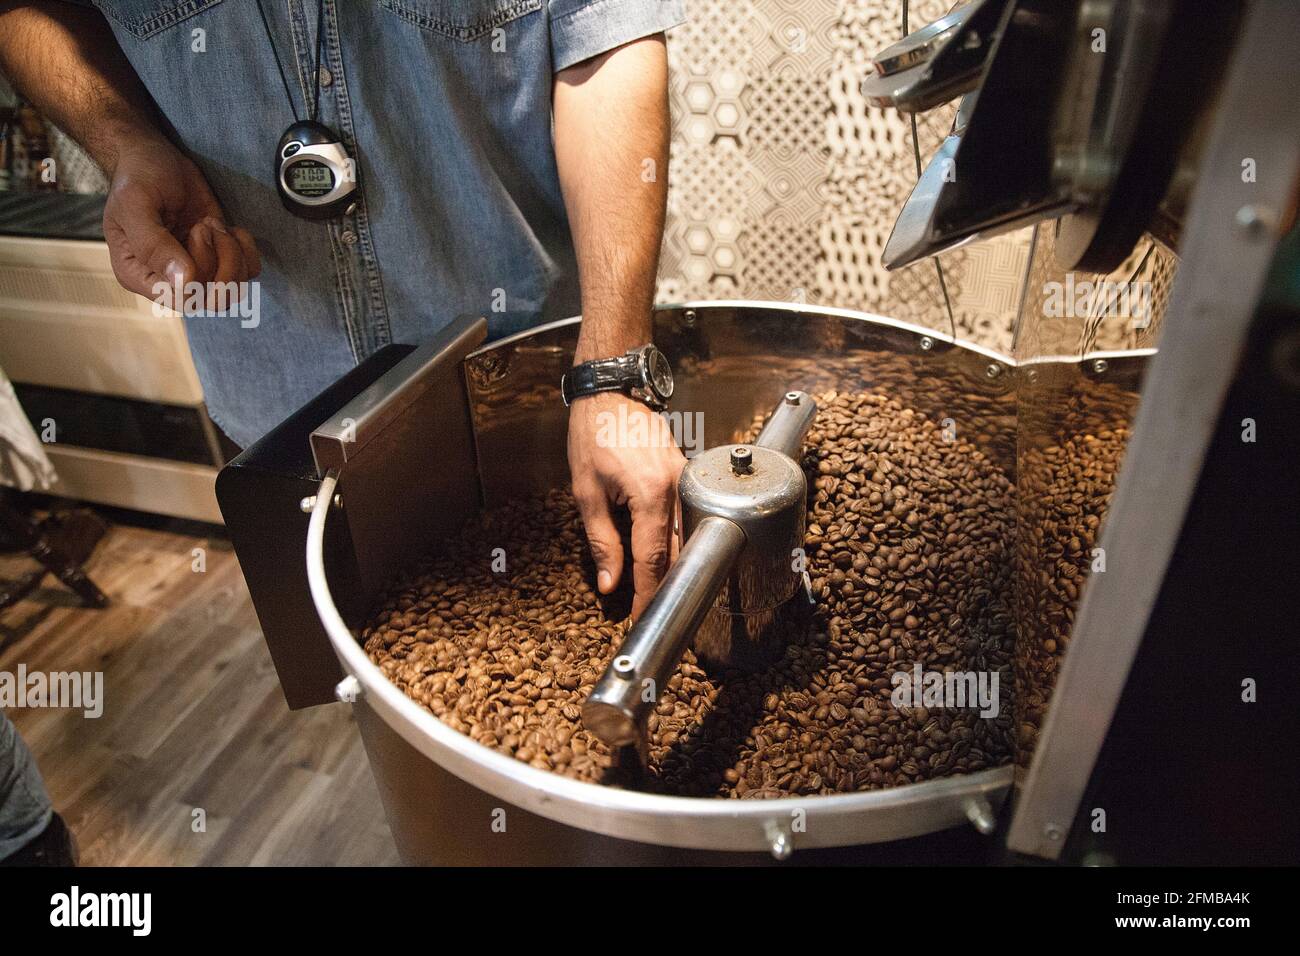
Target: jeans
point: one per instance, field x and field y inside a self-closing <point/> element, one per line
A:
<point x="25" y="808"/>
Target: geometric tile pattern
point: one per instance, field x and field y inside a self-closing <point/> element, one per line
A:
<point x="785" y="183"/>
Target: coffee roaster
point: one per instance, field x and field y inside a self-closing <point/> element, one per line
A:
<point x="743" y="507"/>
<point x="1129" y="702"/>
<point x="361" y="479"/>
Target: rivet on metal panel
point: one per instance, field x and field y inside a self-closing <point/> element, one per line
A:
<point x="308" y="503"/>
<point x="1100" y="365"/>
<point x="927" y="343"/>
<point x="348" y="690"/>
<point x="980" y="814"/>
<point x="1054" y="832"/>
<point x="993" y="370"/>
<point x="624" y="666"/>
<point x="779" y="841"/>
<point x="1285" y="358"/>
<point x="688" y="319"/>
<point x="1256" y="221"/>
<point x="792" y="398"/>
<point x="487" y="369"/>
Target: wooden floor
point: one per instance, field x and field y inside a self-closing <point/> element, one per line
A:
<point x="193" y="719"/>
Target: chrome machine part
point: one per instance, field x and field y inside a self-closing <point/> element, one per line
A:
<point x="1095" y="99"/>
<point x="938" y="62"/>
<point x="789" y="424"/>
<point x="437" y="784"/>
<point x="1127" y="115"/>
<point x="1226" y="254"/>
<point x="743" y="509"/>
<point x="349" y="431"/>
<point x="968" y="190"/>
<point x="383" y="435"/>
<point x="621" y="702"/>
<point x="765" y="493"/>
<point x="671" y="821"/>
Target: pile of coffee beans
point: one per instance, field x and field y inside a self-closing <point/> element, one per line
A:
<point x="1072" y="447"/>
<point x="502" y="635"/>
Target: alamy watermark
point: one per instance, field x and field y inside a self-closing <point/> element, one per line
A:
<point x="1100" y="299"/>
<point x="217" y="300"/>
<point x="75" y="690"/>
<point x="620" y="429"/>
<point x="75" y="908"/>
<point x="939" y="689"/>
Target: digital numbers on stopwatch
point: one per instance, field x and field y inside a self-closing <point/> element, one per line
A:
<point x="310" y="178"/>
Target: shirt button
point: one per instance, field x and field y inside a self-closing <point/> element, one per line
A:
<point x="326" y="77"/>
<point x="348" y="236"/>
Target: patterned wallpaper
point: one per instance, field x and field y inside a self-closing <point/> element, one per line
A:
<point x="785" y="183"/>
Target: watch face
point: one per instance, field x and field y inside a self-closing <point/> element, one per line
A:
<point x="660" y="373"/>
<point x="309" y="177"/>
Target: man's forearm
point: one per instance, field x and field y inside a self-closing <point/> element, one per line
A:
<point x="611" y="144"/>
<point x="65" y="60"/>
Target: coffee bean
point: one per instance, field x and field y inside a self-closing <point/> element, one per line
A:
<point x="908" y="540"/>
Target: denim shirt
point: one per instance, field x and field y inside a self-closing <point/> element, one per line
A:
<point x="445" y="105"/>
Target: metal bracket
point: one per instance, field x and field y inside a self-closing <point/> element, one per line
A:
<point x="356" y="424"/>
<point x="1209" y="316"/>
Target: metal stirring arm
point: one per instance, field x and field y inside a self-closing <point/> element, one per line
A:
<point x="621" y="702"/>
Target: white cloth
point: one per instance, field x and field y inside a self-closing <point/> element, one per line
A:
<point x="23" y="462"/>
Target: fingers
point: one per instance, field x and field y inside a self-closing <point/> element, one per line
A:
<point x="230" y="256"/>
<point x="602" y="535"/>
<point x="222" y="255"/>
<point x="144" y="254"/>
<point x="204" y="253"/>
<point x="652" y="529"/>
<point x="252" y="258"/>
<point x="231" y="269"/>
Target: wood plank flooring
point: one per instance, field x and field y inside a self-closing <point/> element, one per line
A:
<point x="193" y="720"/>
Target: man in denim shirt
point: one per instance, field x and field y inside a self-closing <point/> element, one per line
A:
<point x="511" y="161"/>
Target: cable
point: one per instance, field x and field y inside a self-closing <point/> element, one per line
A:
<point x="280" y="66"/>
<point x="320" y="33"/>
<point x="916" y="153"/>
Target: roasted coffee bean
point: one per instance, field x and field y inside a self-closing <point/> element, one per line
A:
<point x="1064" y="484"/>
<point x="909" y="539"/>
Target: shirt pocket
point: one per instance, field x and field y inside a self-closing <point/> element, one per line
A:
<point x="143" y="18"/>
<point x="463" y="20"/>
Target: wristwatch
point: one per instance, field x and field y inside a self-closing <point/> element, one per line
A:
<point x="643" y="374"/>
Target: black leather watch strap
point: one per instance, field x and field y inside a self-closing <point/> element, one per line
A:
<point x="603" y="375"/>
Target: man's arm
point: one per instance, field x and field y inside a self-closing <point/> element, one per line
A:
<point x="64" y="59"/>
<point x="161" y="221"/>
<point x="611" y="143"/>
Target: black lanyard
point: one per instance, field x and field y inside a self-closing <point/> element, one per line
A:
<point x="314" y="174"/>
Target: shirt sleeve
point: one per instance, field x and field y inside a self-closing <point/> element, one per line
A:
<point x="581" y="29"/>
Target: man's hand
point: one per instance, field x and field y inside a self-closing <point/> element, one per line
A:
<point x="625" y="456"/>
<point x="161" y="221"/>
<point x="611" y="148"/>
<point x="163" y="225"/>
